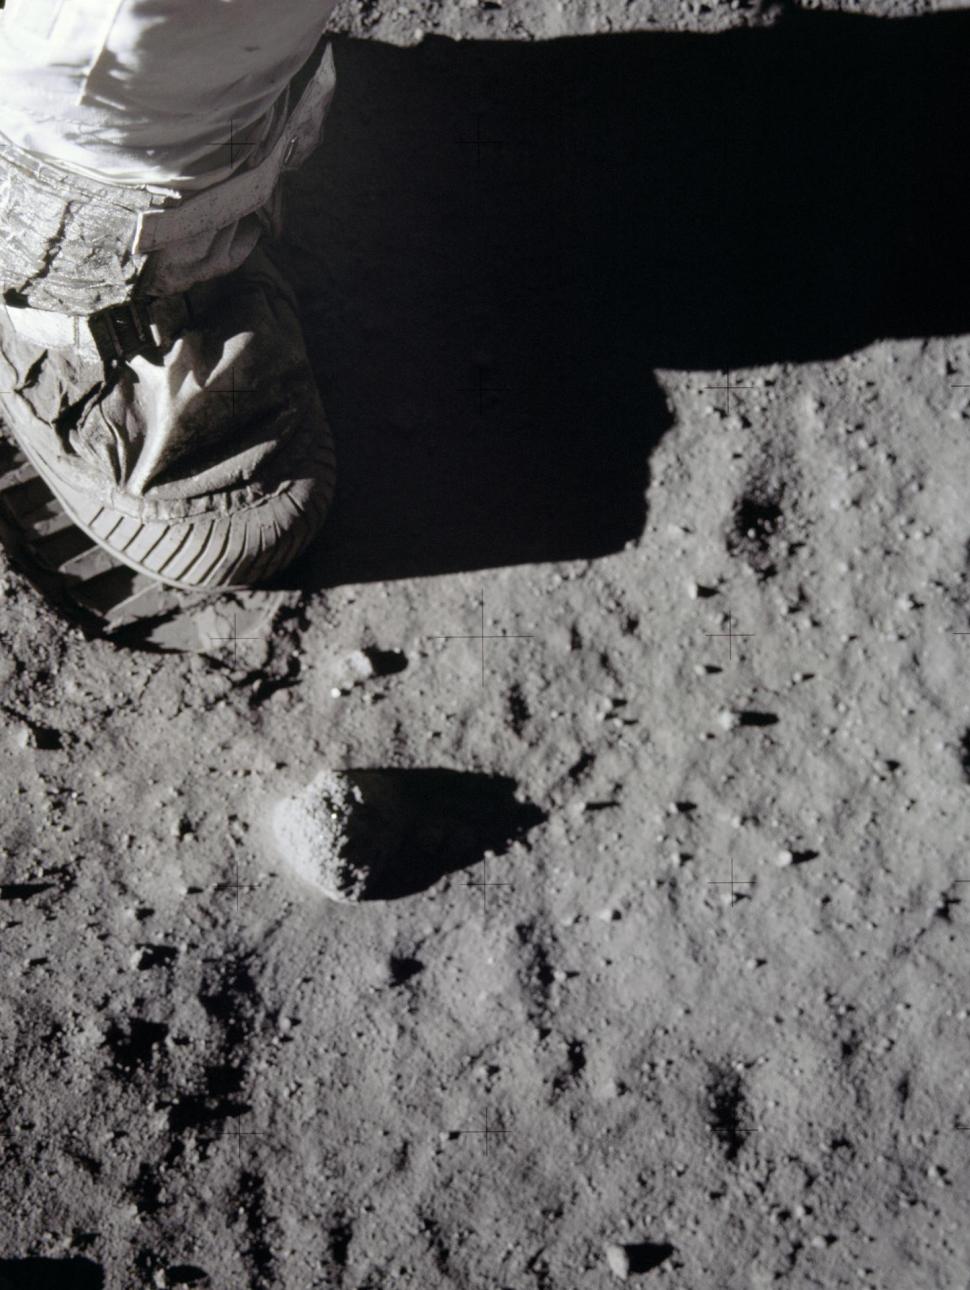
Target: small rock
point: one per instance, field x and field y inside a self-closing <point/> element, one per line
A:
<point x="784" y="858"/>
<point x="341" y="832"/>
<point x="618" y="1261"/>
<point x="358" y="666"/>
<point x="181" y="828"/>
<point x="609" y="915"/>
<point x="728" y="720"/>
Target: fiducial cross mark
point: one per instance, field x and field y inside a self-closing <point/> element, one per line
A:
<point x="232" y="391"/>
<point x="486" y="1133"/>
<point x="235" y="638"/>
<point x="486" y="886"/>
<point x="478" y="143"/>
<point x="232" y="143"/>
<point x="731" y="635"/>
<point x="731" y="388"/>
<point x="235" y="886"/>
<point x="482" y="636"/>
<point x="238" y="1134"/>
<point x="481" y="388"/>
<point x="733" y="882"/>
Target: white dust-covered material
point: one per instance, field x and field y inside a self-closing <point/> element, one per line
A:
<point x="618" y="1261"/>
<point x="340" y="832"/>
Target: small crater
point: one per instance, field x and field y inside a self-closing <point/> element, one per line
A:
<point x="903" y="1091"/>
<point x="756" y="523"/>
<point x="727" y="1109"/>
<point x="575" y="1065"/>
<point x="402" y="969"/>
<point x="252" y="1205"/>
<point x="85" y="1162"/>
<point x="146" y="1190"/>
<point x="222" y="1079"/>
<point x="135" y="1047"/>
<point x="195" y="1111"/>
<point x="152" y="956"/>
<point x="46" y="738"/>
<point x="850" y="1046"/>
<point x="338" y="1239"/>
<point x="519" y="712"/>
<point x="436" y="1243"/>
<point x="579" y="768"/>
<point x="536" y="973"/>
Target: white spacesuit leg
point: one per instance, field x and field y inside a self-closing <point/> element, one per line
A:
<point x="141" y="147"/>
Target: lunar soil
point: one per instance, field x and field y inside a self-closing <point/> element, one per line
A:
<point x="642" y="618"/>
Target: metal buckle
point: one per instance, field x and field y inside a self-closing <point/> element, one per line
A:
<point x="122" y="331"/>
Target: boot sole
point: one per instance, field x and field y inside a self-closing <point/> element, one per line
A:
<point x="72" y="570"/>
<point x="165" y="545"/>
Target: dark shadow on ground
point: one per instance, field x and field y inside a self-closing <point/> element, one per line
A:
<point x="50" y="1274"/>
<point x="447" y="821"/>
<point x="499" y="242"/>
<point x="648" y="1255"/>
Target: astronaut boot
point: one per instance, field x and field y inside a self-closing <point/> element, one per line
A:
<point x="153" y="369"/>
<point x="205" y="460"/>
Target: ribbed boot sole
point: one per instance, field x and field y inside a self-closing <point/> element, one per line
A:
<point x="72" y="565"/>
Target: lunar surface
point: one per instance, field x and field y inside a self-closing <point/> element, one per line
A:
<point x="644" y="331"/>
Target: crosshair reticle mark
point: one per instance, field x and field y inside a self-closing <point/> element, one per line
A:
<point x="235" y="638"/>
<point x="235" y="886"/>
<point x="482" y="636"/>
<point x="734" y="1131"/>
<point x="731" y="635"/>
<point x="232" y="391"/>
<point x="478" y="143"/>
<point x="731" y="388"/>
<point x="233" y="143"/>
<point x="486" y="1133"/>
<point x="238" y="1134"/>
<point x="733" y="882"/>
<point x="485" y="886"/>
<point x="481" y="388"/>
